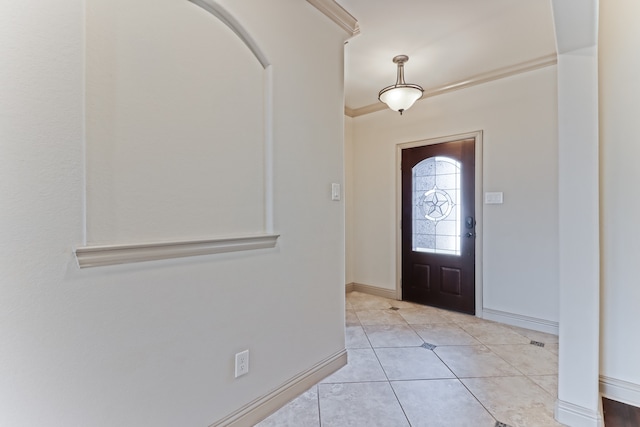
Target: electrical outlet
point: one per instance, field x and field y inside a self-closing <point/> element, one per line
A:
<point x="242" y="363"/>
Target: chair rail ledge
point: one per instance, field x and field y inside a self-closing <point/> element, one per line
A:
<point x="97" y="256"/>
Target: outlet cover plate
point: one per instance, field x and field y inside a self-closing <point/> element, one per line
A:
<point x="242" y="363"/>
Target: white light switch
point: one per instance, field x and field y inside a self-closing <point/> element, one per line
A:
<point x="494" y="198"/>
<point x="335" y="191"/>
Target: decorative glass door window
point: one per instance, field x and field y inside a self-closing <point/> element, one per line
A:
<point x="436" y="206"/>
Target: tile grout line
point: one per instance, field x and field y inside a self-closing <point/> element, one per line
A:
<point x="411" y="326"/>
<point x="389" y="381"/>
<point x="463" y="384"/>
<point x="512" y="365"/>
<point x="517" y="372"/>
<point x="502" y="376"/>
<point x="319" y="413"/>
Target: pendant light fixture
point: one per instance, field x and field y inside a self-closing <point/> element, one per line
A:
<point x="400" y="96"/>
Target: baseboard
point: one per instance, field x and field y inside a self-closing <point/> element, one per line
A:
<point x="521" y="321"/>
<point x="348" y="287"/>
<point x="577" y="416"/>
<point x="621" y="391"/>
<point x="264" y="406"/>
<point x="372" y="290"/>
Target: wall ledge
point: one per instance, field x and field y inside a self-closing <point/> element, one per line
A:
<point x="97" y="256"/>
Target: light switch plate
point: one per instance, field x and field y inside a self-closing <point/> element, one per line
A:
<point x="493" y="198"/>
<point x="335" y="192"/>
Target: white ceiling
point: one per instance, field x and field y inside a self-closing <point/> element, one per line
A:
<point x="447" y="41"/>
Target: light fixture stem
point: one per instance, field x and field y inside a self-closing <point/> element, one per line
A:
<point x="400" y="79"/>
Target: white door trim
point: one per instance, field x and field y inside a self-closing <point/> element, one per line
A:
<point x="478" y="202"/>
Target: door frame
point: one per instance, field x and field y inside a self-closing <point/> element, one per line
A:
<point x="477" y="135"/>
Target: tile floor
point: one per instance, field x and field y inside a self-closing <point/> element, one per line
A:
<point x="412" y="365"/>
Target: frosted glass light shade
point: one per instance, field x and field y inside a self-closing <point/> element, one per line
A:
<point x="400" y="98"/>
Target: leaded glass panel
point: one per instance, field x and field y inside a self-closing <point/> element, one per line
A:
<point x="436" y="202"/>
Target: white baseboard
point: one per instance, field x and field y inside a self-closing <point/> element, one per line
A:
<point x="262" y="407"/>
<point x="621" y="391"/>
<point x="521" y="321"/>
<point x="486" y="313"/>
<point x="577" y="416"/>
<point x="372" y="290"/>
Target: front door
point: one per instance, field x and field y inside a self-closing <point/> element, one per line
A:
<point x="438" y="225"/>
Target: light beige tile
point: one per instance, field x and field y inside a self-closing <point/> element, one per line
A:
<point x="356" y="338"/>
<point x="392" y="336"/>
<point x="347" y="304"/>
<point x="360" y="404"/>
<point x="398" y="351"/>
<point x="548" y="382"/>
<point x="422" y="315"/>
<point x="463" y="318"/>
<point x="536" y="335"/>
<point x="474" y="361"/>
<point x="302" y="411"/>
<point x="494" y="333"/>
<point x="412" y="363"/>
<point x="362" y="301"/>
<point x="362" y="365"/>
<point x="516" y="401"/>
<point x="441" y="403"/>
<point x="553" y="348"/>
<point x="445" y="334"/>
<point x="528" y="359"/>
<point x="351" y="318"/>
<point x="380" y="317"/>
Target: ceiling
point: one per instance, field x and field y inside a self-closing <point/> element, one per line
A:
<point x="450" y="43"/>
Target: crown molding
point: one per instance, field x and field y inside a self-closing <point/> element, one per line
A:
<point x="500" y="73"/>
<point x="97" y="256"/>
<point x="337" y="14"/>
<point x="367" y="109"/>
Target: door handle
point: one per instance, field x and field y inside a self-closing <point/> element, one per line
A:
<point x="470" y="234"/>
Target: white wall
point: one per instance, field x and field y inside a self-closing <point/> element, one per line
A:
<point x="518" y="116"/>
<point x="153" y="343"/>
<point x="348" y="198"/>
<point x="619" y="109"/>
<point x="175" y="124"/>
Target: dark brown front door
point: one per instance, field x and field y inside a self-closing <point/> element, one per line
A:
<point x="438" y="225"/>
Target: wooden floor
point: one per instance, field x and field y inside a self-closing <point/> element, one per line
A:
<point x="618" y="414"/>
